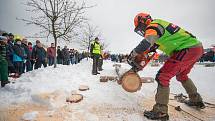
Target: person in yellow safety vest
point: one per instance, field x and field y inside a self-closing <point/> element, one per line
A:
<point x="95" y="52"/>
<point x="183" y="49"/>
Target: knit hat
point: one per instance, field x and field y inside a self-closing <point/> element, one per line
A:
<point x="5" y="34"/>
<point x="10" y="34"/>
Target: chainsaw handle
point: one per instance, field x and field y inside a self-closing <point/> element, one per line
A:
<point x="148" y="60"/>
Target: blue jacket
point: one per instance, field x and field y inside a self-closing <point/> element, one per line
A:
<point x="19" y="53"/>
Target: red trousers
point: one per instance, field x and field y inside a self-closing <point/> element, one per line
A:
<point x="179" y="65"/>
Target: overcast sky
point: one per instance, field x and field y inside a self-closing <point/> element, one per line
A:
<point x="115" y="19"/>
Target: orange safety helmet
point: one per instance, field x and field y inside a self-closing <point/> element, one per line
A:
<point x="141" y="21"/>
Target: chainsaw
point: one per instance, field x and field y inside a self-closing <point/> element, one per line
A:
<point x="141" y="60"/>
<point x="130" y="80"/>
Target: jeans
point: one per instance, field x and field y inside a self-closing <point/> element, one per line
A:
<point x="73" y="60"/>
<point x="50" y="61"/>
<point x="18" y="67"/>
<point x="28" y="66"/>
<point x="59" y="61"/>
<point x="66" y="62"/>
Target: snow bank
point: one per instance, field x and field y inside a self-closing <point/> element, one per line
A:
<point x="50" y="86"/>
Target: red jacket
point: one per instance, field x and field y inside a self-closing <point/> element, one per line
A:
<point x="51" y="52"/>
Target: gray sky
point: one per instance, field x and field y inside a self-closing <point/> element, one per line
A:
<point x="115" y="19"/>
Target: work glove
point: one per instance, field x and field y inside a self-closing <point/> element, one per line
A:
<point x="154" y="48"/>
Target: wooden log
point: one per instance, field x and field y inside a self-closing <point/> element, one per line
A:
<point x="209" y="64"/>
<point x="130" y="81"/>
<point x="111" y="78"/>
<point x="103" y="79"/>
<point x="74" y="98"/>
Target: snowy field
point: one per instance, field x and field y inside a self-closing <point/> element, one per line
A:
<point x="49" y="87"/>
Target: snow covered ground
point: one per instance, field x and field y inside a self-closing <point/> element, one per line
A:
<point x="103" y="101"/>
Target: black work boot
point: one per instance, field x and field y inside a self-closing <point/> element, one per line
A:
<point x="156" y="115"/>
<point x="195" y="101"/>
<point x="200" y="105"/>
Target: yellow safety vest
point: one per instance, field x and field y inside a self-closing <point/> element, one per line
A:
<point x="96" y="48"/>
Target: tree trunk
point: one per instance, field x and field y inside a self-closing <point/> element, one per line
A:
<point x="55" y="41"/>
<point x="55" y="58"/>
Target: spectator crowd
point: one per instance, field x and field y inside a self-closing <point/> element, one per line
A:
<point x="18" y="56"/>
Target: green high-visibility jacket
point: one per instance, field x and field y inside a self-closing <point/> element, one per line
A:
<point x="174" y="38"/>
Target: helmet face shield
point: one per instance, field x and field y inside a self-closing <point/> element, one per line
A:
<point x="141" y="21"/>
<point x="140" y="29"/>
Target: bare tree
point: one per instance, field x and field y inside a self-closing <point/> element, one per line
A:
<point x="88" y="34"/>
<point x="57" y="18"/>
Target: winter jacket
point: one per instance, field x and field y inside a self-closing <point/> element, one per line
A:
<point x="72" y="54"/>
<point x="59" y="54"/>
<point x="65" y="53"/>
<point x="51" y="52"/>
<point x="19" y="53"/>
<point x="10" y="51"/>
<point x="27" y="51"/>
<point x="39" y="53"/>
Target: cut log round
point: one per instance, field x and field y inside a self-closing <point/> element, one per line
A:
<point x="131" y="81"/>
<point x="103" y="79"/>
<point x="75" y="98"/>
<point x="83" y="87"/>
